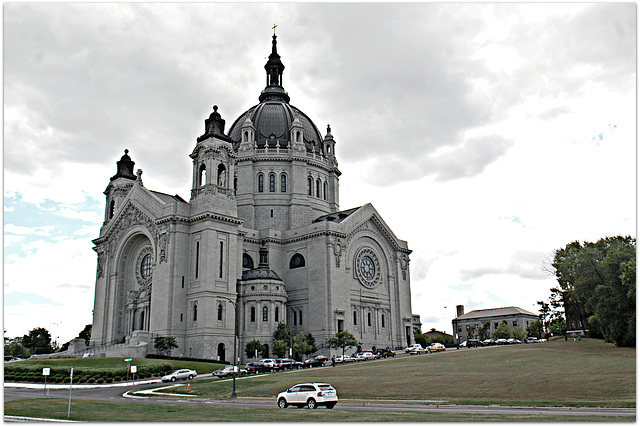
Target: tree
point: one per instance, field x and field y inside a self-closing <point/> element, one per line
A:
<point x="485" y="331"/>
<point x="421" y="339"/>
<point x="253" y="348"/>
<point x="14" y="348"/>
<point x="38" y="341"/>
<point x="518" y="332"/>
<point x="596" y="286"/>
<point x="281" y="340"/>
<point x="304" y="344"/>
<point x="86" y="334"/>
<point x="558" y="327"/>
<point x="503" y="331"/>
<point x="165" y="344"/>
<point x="343" y="340"/>
<point x="535" y="329"/>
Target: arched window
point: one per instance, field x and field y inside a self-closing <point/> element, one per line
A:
<point x="310" y="186"/>
<point x="355" y="318"/>
<point x="369" y="319"/>
<point x="112" y="209"/>
<point x="235" y="183"/>
<point x="272" y="183"/>
<point x="283" y="183"/>
<point x="265" y="314"/>
<point x="195" y="311"/>
<point x="298" y="136"/>
<point x="382" y="321"/>
<point x="245" y="137"/>
<point x="325" y="189"/>
<point x="142" y="320"/>
<point x="219" y="311"/>
<point x="247" y="261"/>
<point x="276" y="315"/>
<point x="318" y="188"/>
<point x="260" y="183"/>
<point x="222" y="176"/>
<point x="253" y="314"/>
<point x="300" y="317"/>
<point x="203" y="175"/>
<point x="295" y="318"/>
<point x="297" y="261"/>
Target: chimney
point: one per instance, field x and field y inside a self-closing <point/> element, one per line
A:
<point x="459" y="310"/>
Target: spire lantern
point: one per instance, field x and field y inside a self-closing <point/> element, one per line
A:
<point x="274" y="68"/>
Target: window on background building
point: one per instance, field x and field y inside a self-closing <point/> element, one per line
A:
<point x="272" y="183"/>
<point x="276" y="314"/>
<point x="253" y="314"/>
<point x="221" y="259"/>
<point x="368" y="319"/>
<point x="197" y="258"/>
<point x="260" y="183"/>
<point x="295" y="318"/>
<point x="309" y="186"/>
<point x="325" y="190"/>
<point x="195" y="311"/>
<point x="340" y="325"/>
<point x="112" y="209"/>
<point x="247" y="261"/>
<point x="382" y="321"/>
<point x="265" y="314"/>
<point x="283" y="183"/>
<point x="355" y="318"/>
<point x="297" y="261"/>
<point x="318" y="188"/>
<point x="219" y="311"/>
<point x="300" y="317"/>
<point x="203" y="175"/>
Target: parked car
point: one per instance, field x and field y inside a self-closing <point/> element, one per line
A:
<point x="257" y="367"/>
<point x="364" y="355"/>
<point x="312" y="363"/>
<point x="180" y="374"/>
<point x="530" y="340"/>
<point x="387" y="352"/>
<point x="322" y="358"/>
<point x="414" y="349"/>
<point x="488" y="342"/>
<point x="344" y="359"/>
<point x="227" y="371"/>
<point x="436" y="347"/>
<point x="284" y="364"/>
<point x="473" y="343"/>
<point x="269" y="362"/>
<point x="501" y="341"/>
<point x="514" y="341"/>
<point x="310" y="395"/>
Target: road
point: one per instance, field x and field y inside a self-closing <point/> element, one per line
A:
<point x="115" y="393"/>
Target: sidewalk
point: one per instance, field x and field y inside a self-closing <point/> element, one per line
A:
<point x="40" y="386"/>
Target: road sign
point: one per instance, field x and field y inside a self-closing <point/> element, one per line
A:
<point x="128" y="359"/>
<point x="46" y="371"/>
<point x="134" y="369"/>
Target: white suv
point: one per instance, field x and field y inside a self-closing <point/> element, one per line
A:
<point x="310" y="395"/>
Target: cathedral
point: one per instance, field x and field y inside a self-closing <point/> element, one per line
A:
<point x="261" y="240"/>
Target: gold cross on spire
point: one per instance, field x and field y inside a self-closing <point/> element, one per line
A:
<point x="274" y="29"/>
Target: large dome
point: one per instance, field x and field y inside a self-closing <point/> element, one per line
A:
<point x="272" y="120"/>
<point x="273" y="116"/>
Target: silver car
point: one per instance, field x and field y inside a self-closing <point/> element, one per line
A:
<point x="180" y="374"/>
<point x="310" y="395"/>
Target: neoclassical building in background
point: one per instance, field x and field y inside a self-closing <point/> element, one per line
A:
<point x="261" y="240"/>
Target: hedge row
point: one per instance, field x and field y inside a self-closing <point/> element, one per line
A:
<point x="90" y="376"/>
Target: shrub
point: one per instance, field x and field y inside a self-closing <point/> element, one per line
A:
<point x="91" y="380"/>
<point x="109" y="380"/>
<point x="117" y="378"/>
<point x="100" y="380"/>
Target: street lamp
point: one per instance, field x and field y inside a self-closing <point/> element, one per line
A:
<point x="235" y="342"/>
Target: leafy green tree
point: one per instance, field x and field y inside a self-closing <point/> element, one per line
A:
<point x="503" y="331"/>
<point x="535" y="329"/>
<point x="281" y="340"/>
<point x="304" y="344"/>
<point x="596" y="284"/>
<point x="165" y="344"/>
<point x="14" y="348"/>
<point x="253" y="347"/>
<point x="343" y="340"/>
<point x="518" y="332"/>
<point x="421" y="339"/>
<point x="558" y="327"/>
<point x="38" y="341"/>
<point x="86" y="334"/>
<point x="485" y="331"/>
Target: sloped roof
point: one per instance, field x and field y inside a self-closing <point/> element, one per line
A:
<point x="336" y="216"/>
<point x="495" y="312"/>
<point x="168" y="198"/>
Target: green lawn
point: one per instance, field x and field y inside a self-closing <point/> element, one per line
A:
<point x="589" y="373"/>
<point x="136" y="411"/>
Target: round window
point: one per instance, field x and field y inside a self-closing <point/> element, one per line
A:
<point x="145" y="267"/>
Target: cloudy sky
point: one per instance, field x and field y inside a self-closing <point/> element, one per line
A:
<point x="486" y="135"/>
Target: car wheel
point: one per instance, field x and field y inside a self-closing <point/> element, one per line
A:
<point x="311" y="404"/>
<point x="190" y="377"/>
<point x="331" y="405"/>
<point x="173" y="379"/>
<point x="282" y="403"/>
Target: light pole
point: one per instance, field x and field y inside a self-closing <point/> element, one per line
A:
<point x="235" y="342"/>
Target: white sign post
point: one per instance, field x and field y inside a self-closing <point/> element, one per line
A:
<point x="70" y="384"/>
<point x="134" y="369"/>
<point x="45" y="372"/>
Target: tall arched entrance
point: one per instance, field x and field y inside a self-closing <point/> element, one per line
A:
<point x="221" y="352"/>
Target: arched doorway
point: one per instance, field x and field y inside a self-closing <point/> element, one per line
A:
<point x="221" y="352"/>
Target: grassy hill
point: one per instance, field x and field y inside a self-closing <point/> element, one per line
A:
<point x="588" y="373"/>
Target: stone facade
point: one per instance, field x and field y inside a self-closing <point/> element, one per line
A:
<point x="467" y="325"/>
<point x="261" y="241"/>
